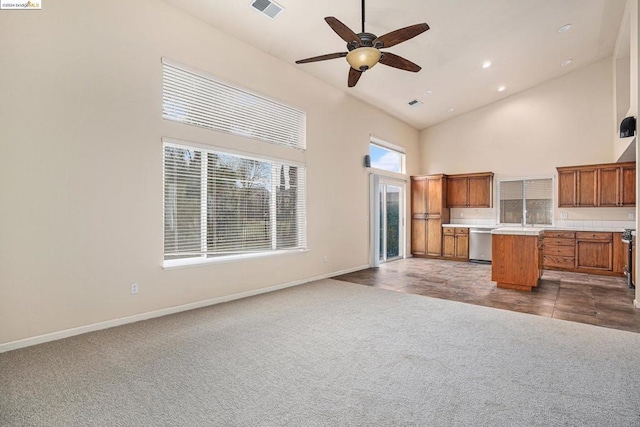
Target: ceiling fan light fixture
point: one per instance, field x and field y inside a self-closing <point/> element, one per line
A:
<point x="363" y="58"/>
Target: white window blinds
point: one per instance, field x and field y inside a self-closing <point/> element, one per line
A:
<point x="220" y="204"/>
<point x="528" y="201"/>
<point x="199" y="99"/>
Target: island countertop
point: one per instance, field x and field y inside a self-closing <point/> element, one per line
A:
<point x="520" y="231"/>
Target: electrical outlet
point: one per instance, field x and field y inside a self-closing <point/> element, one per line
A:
<point x="564" y="215"/>
<point x="325" y="259"/>
<point x="461" y="214"/>
<point x="630" y="215"/>
<point x="134" y="288"/>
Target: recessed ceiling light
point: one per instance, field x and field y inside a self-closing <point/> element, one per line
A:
<point x="451" y="110"/>
<point x="564" y="28"/>
<point x="486" y="64"/>
<point x="427" y="92"/>
<point x="566" y="62"/>
<point x="501" y="88"/>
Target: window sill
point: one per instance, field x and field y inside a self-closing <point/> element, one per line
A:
<point x="199" y="261"/>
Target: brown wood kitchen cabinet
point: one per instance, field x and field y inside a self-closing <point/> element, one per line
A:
<point x="558" y="249"/>
<point x="455" y="242"/>
<point x="470" y="190"/>
<point x="594" y="251"/>
<point x="428" y="213"/>
<point x="603" y="185"/>
<point x="583" y="251"/>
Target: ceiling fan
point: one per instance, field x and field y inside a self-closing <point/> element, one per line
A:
<point x="364" y="48"/>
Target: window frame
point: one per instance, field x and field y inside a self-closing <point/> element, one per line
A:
<point x="524" y="204"/>
<point x="390" y="147"/>
<point x="205" y="258"/>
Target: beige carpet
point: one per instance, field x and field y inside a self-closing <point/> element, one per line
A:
<point x="329" y="353"/>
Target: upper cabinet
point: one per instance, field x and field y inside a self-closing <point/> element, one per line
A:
<point x="597" y="185"/>
<point x="470" y="190"/>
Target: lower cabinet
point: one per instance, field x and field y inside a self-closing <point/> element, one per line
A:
<point x="455" y="242"/>
<point x="426" y="236"/>
<point x="582" y="251"/>
<point x="594" y="251"/>
<point x="558" y="249"/>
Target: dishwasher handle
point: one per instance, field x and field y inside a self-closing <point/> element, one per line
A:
<point x="480" y="231"/>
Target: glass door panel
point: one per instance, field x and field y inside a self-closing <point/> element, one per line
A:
<point x="388" y="222"/>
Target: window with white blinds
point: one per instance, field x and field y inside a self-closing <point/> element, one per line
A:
<point x="526" y="201"/>
<point x="198" y="99"/>
<point x="220" y="204"/>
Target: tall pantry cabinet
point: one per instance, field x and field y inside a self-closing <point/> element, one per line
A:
<point x="428" y="212"/>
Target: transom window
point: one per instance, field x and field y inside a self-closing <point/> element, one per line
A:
<point x="526" y="201"/>
<point x="199" y="99"/>
<point x="386" y="156"/>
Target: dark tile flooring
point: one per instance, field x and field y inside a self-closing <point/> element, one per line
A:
<point x="585" y="298"/>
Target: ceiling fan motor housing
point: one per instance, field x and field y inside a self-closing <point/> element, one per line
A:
<point x="366" y="40"/>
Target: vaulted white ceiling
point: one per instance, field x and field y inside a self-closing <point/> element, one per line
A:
<point x="519" y="37"/>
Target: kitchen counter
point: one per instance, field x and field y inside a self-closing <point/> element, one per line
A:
<point x="520" y="231"/>
<point x="542" y="228"/>
<point x="470" y="226"/>
<point x="516" y="262"/>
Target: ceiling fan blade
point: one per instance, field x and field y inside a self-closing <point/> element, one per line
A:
<point x="401" y="35"/>
<point x="354" y="76"/>
<point x="342" y="30"/>
<point x="396" y="61"/>
<point x="322" y="57"/>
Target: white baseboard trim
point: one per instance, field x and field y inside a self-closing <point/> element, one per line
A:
<point x="66" y="333"/>
<point x="636" y="303"/>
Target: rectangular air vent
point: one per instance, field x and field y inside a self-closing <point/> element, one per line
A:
<point x="269" y="8"/>
<point x="414" y="103"/>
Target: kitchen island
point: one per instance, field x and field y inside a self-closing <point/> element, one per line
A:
<point x="517" y="261"/>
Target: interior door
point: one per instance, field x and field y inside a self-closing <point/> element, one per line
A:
<point x="388" y="209"/>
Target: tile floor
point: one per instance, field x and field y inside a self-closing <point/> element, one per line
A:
<point x="585" y="298"/>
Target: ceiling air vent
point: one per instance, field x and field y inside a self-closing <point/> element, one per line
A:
<point x="269" y="8"/>
<point x="414" y="103"/>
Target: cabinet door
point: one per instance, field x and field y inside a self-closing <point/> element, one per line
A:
<point x="457" y="192"/>
<point x="619" y="253"/>
<point x="462" y="246"/>
<point x="609" y="186"/>
<point x="418" y="196"/>
<point x="628" y="186"/>
<point x="479" y="192"/>
<point x="587" y="190"/>
<point x="434" y="236"/>
<point x="419" y="236"/>
<point x="567" y="182"/>
<point x="434" y="196"/>
<point x="448" y="245"/>
<point x="594" y="255"/>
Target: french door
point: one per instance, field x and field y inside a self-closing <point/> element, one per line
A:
<point x="388" y="214"/>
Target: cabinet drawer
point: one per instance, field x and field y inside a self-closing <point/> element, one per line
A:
<point x="560" y="234"/>
<point x="558" y="261"/>
<point x="448" y="230"/>
<point x="559" y="251"/>
<point x="599" y="236"/>
<point x="462" y="230"/>
<point x="559" y="242"/>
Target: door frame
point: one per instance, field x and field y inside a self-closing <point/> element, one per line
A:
<point x="375" y="180"/>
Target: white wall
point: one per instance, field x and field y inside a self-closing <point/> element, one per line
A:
<point x="81" y="173"/>
<point x="563" y="122"/>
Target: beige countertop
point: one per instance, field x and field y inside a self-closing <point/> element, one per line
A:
<point x="539" y="228"/>
<point x="521" y="231"/>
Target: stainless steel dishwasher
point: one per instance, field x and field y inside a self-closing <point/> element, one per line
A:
<point x="480" y="245"/>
